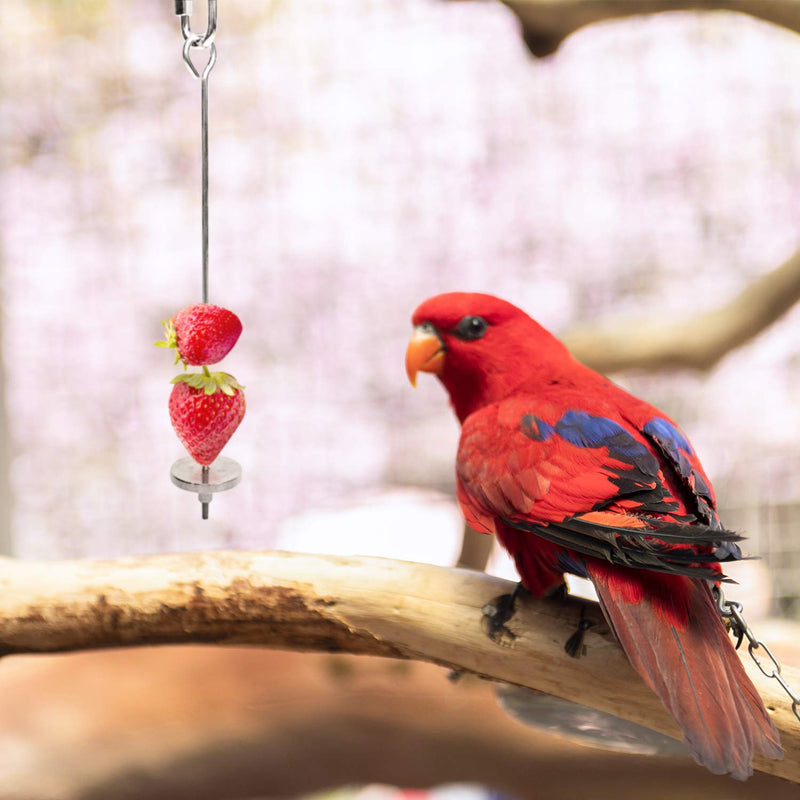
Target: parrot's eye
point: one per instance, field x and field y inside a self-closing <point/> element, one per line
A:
<point x="471" y="328"/>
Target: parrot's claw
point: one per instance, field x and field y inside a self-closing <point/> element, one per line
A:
<point x="497" y="613"/>
<point x="495" y="616"/>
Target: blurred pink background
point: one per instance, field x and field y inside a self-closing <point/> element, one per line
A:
<point x="365" y="155"/>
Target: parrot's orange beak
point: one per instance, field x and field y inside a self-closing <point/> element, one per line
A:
<point x="425" y="353"/>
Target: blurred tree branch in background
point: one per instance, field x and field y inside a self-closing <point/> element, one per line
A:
<point x="546" y="23"/>
<point x="476" y="548"/>
<point x="698" y="342"/>
<point x="358" y="605"/>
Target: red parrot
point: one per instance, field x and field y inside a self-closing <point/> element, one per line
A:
<point x="574" y="474"/>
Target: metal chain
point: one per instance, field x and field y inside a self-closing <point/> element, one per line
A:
<point x="184" y="8"/>
<point x="732" y="611"/>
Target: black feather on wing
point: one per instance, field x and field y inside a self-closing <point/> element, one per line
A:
<point x="675" y="448"/>
<point x="662" y="546"/>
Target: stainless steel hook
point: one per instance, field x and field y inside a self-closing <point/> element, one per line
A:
<point x="184" y="8"/>
<point x="187" y="57"/>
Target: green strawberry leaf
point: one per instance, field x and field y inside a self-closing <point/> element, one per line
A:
<point x="170" y="339"/>
<point x="210" y="382"/>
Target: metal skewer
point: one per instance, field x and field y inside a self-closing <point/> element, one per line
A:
<point x="224" y="473"/>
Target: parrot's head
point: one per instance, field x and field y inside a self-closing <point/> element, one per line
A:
<point x="481" y="348"/>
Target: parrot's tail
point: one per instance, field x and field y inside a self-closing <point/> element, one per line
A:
<point x="687" y="658"/>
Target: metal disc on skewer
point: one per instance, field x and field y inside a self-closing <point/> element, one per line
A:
<point x="222" y="474"/>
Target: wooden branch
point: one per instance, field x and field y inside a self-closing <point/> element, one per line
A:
<point x="326" y="603"/>
<point x="546" y="23"/>
<point x="698" y="342"/>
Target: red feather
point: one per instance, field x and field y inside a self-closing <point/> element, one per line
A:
<point x="675" y="639"/>
<point x="572" y="472"/>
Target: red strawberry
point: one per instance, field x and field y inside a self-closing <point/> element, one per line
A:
<point x="202" y="334"/>
<point x="205" y="409"/>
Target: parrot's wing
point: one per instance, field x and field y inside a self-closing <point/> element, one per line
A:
<point x="586" y="483"/>
<point x="681" y="459"/>
<point x="654" y="545"/>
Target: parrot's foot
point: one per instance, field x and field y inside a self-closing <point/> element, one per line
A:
<point x="497" y="613"/>
<point x="574" y="645"/>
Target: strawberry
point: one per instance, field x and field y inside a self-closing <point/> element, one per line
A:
<point x="202" y="334"/>
<point x="205" y="409"/>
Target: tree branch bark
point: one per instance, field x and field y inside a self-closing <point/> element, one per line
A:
<point x="336" y="604"/>
<point x="696" y="343"/>
<point x="546" y="23"/>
